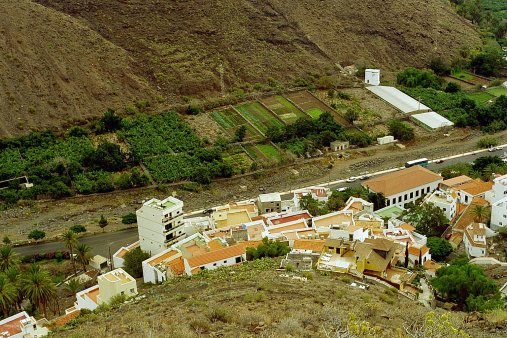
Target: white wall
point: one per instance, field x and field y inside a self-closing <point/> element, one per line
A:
<point x="472" y="250"/>
<point x="83" y="302"/>
<point x="499" y="214"/>
<point x="372" y="77"/>
<point x="499" y="190"/>
<point x="226" y="262"/>
<point x="152" y="275"/>
<point x="404" y="197"/>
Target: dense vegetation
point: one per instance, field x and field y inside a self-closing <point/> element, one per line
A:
<point x="482" y="167"/>
<point x="428" y="219"/>
<point x="439" y="248"/>
<point x="268" y="248"/>
<point x="466" y="285"/>
<point x="133" y="262"/>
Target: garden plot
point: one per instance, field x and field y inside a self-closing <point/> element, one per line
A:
<point x="230" y="120"/>
<point x="283" y="108"/>
<point x="259" y="116"/>
<point x="308" y="103"/>
<point x="264" y="153"/>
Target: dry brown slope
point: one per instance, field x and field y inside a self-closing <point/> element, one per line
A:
<point x="55" y="70"/>
<point x="179" y="45"/>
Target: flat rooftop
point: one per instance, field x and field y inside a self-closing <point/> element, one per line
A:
<point x="169" y="202"/>
<point x="117" y="275"/>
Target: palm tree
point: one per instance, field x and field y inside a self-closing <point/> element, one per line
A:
<point x="13" y="277"/>
<point x="74" y="286"/>
<point x="70" y="241"/>
<point x="84" y="254"/>
<point x="8" y="295"/>
<point x="38" y="287"/>
<point x="481" y="213"/>
<point x="8" y="257"/>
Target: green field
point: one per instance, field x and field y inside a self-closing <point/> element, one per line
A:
<point x="497" y="91"/>
<point x="240" y="163"/>
<point x="284" y="109"/>
<point x="315" y="112"/>
<point x="464" y="76"/>
<point x="258" y="116"/>
<point x="269" y="151"/>
<point x="481" y="97"/>
<point x="231" y="121"/>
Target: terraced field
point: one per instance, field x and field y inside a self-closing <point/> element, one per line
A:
<point x="230" y="120"/>
<point x="314" y="107"/>
<point x="264" y="153"/>
<point x="283" y="108"/>
<point x="259" y="116"/>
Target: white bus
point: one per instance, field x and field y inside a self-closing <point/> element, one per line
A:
<point x="423" y="162"/>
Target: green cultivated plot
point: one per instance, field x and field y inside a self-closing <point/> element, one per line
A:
<point x="283" y="108"/>
<point x="269" y="151"/>
<point x="497" y="91"/>
<point x="315" y="112"/>
<point x="481" y="97"/>
<point x="231" y="121"/>
<point x="258" y="116"/>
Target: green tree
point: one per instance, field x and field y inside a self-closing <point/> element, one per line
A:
<point x="400" y="130"/>
<point x="108" y="156"/>
<point x="38" y="287"/>
<point x="481" y="213"/>
<point x="6" y="240"/>
<point x="70" y="241"/>
<point x="488" y="63"/>
<point x="8" y="295"/>
<point x="467" y="285"/>
<point x="74" y="286"/>
<point x="353" y="113"/>
<point x="133" y="262"/>
<point x="36" y="234"/>
<point x="439" y="67"/>
<point x="240" y="134"/>
<point x="109" y="121"/>
<point x="428" y="219"/>
<point x="268" y="248"/>
<point x="84" y="254"/>
<point x="452" y="87"/>
<point x="103" y="222"/>
<point x="307" y="202"/>
<point x="412" y="78"/>
<point x="8" y="258"/>
<point x="439" y="248"/>
<point x="78" y="228"/>
<point x="129" y="218"/>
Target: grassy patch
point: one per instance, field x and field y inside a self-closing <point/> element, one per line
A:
<point x="463" y="75"/>
<point x="497" y="91"/>
<point x="258" y="116"/>
<point x="481" y="97"/>
<point x="315" y="112"/>
<point x="269" y="151"/>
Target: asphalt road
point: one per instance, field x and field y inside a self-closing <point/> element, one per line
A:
<point x="102" y="243"/>
<point x="99" y="243"/>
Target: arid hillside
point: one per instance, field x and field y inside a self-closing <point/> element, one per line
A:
<point x="254" y="300"/>
<point x="56" y="71"/>
<point x="66" y="59"/>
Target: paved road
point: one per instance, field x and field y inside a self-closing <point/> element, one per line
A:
<point x="99" y="243"/>
<point x="102" y="242"/>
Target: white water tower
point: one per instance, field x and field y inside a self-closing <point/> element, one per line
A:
<point x="372" y="77"/>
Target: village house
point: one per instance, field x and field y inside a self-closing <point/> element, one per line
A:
<point x="444" y="200"/>
<point x="160" y="224"/>
<point x="278" y="219"/>
<point x="475" y="240"/>
<point x="318" y="193"/>
<point x="499" y="214"/>
<point x="118" y="256"/>
<point x="474" y="189"/>
<point x="418" y="254"/>
<point x="498" y="191"/>
<point x="322" y="224"/>
<point x="109" y="285"/>
<point x="404" y="186"/>
<point x="270" y="203"/>
<point x="455" y="182"/>
<point x="21" y="325"/>
<point x="300" y="260"/>
<point x="358" y="205"/>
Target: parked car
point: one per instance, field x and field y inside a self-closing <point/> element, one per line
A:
<point x="365" y="177"/>
<point x="439" y="161"/>
<point x="342" y="189"/>
<point x="351" y="179"/>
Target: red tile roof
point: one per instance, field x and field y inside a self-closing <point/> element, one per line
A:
<point x="219" y="255"/>
<point x="290" y="218"/>
<point x="12" y="326"/>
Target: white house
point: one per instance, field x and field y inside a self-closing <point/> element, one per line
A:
<point x="475" y="240"/>
<point x="111" y="284"/>
<point x="160" y="224"/>
<point x="349" y="232"/>
<point x="499" y="214"/>
<point x="372" y="77"/>
<point x="498" y="191"/>
<point x="318" y="193"/>
<point x="470" y="190"/>
<point x="385" y="140"/>
<point x="418" y="254"/>
<point x="404" y="186"/>
<point x="270" y="203"/>
<point x="21" y="325"/>
<point x="118" y="256"/>
<point x="444" y="200"/>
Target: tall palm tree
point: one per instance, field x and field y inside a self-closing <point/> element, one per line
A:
<point x="8" y="295"/>
<point x="84" y="254"/>
<point x="481" y="213"/>
<point x="13" y="275"/>
<point x="70" y="242"/>
<point x="8" y="257"/>
<point x="38" y="287"/>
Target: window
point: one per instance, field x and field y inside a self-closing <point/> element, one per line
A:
<point x="399" y="199"/>
<point x="123" y="292"/>
<point x="225" y="261"/>
<point x="214" y="264"/>
<point x="388" y="202"/>
<point x="406" y="196"/>
<point x="131" y="290"/>
<point x="238" y="259"/>
<point x="428" y="190"/>
<point x="411" y="195"/>
<point x="417" y="193"/>
<point x="445" y="209"/>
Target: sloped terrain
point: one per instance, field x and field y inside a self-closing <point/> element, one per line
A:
<point x="56" y="71"/>
<point x="254" y="300"/>
<point x="97" y="53"/>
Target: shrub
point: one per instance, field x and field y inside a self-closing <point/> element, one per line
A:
<point x="412" y="77"/>
<point x="36" y="234"/>
<point x="134" y="260"/>
<point x="308" y="275"/>
<point x="439" y="67"/>
<point x="487" y="142"/>
<point x="268" y="248"/>
<point x="103" y="222"/>
<point x="400" y="130"/>
<point x="117" y="300"/>
<point x="219" y="314"/>
<point x="78" y="228"/>
<point x="255" y="297"/>
<point x="129" y="218"/>
<point x="439" y="248"/>
<point x="452" y="87"/>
